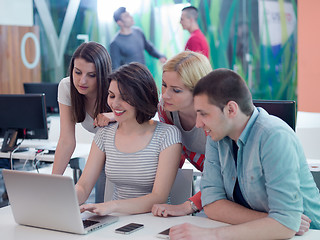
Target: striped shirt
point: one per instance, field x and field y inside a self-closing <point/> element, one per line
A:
<point x="133" y="174"/>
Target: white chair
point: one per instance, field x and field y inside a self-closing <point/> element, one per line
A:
<point x="182" y="186"/>
<point x="108" y="191"/>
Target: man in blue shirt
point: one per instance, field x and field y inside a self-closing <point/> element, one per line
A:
<point x="256" y="176"/>
<point x="130" y="42"/>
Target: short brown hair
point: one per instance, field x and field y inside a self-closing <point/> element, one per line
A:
<point x="138" y="88"/>
<point x="192" y="12"/>
<point x="224" y="85"/>
<point x="118" y="12"/>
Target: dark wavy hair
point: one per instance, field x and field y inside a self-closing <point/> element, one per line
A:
<point x="97" y="54"/>
<point x="138" y="88"/>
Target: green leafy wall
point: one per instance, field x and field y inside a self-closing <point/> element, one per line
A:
<point x="231" y="27"/>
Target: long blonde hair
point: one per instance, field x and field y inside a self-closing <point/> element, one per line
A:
<point x="191" y="67"/>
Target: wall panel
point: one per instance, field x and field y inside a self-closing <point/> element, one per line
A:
<point x="13" y="72"/>
<point x="308" y="56"/>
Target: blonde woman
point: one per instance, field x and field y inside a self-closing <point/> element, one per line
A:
<point x="180" y="75"/>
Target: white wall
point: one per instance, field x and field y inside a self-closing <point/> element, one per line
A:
<point x="308" y="131"/>
<point x="16" y="12"/>
<point x="82" y="135"/>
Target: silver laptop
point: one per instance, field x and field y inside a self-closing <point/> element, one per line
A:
<point x="49" y="201"/>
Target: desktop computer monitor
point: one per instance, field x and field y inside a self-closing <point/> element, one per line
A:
<point x="23" y="116"/>
<point x="284" y="109"/>
<point x="51" y="92"/>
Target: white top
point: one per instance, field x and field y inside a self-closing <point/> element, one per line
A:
<point x="134" y="173"/>
<point x="64" y="97"/>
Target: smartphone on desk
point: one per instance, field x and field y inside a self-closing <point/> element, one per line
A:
<point x="129" y="228"/>
<point x="164" y="234"/>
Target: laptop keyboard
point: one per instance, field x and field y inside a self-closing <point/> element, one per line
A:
<point x="88" y="223"/>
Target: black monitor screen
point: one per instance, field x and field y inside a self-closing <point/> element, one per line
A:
<point x="49" y="89"/>
<point x="24" y="113"/>
<point x="284" y="109"/>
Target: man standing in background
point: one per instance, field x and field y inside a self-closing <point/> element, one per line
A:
<point x="197" y="41"/>
<point x="130" y="42"/>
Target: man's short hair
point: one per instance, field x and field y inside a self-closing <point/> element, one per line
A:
<point x="192" y="12"/>
<point x="224" y="85"/>
<point x="117" y="13"/>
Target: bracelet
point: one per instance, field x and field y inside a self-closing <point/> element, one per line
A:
<point x="193" y="206"/>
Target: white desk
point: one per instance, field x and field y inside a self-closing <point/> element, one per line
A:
<point x="77" y="161"/>
<point x="9" y="230"/>
<point x="81" y="150"/>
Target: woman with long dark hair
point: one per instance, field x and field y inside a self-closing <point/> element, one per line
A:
<point x="82" y="97"/>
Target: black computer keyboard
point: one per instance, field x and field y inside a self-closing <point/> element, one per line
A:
<point x="88" y="223"/>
